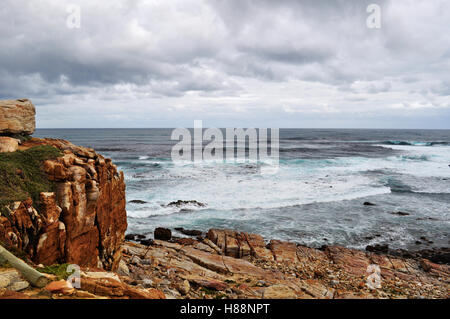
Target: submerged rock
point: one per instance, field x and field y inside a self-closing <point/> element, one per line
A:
<point x="400" y="213"/>
<point x="137" y="201"/>
<point x="369" y="204"/>
<point x="180" y="203"/>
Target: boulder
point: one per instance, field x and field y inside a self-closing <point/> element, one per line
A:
<point x="61" y="286"/>
<point x="17" y="117"/>
<point x="8" y="144"/>
<point x="163" y="233"/>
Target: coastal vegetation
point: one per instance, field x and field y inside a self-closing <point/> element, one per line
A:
<point x="22" y="176"/>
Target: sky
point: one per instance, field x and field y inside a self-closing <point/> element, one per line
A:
<point x="230" y="63"/>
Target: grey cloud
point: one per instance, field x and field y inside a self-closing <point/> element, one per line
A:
<point x="255" y="53"/>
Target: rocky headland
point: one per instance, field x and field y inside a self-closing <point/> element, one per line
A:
<point x="63" y="204"/>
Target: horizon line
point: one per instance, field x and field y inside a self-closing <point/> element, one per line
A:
<point x="284" y="128"/>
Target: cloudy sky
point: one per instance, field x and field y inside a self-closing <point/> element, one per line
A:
<point x="230" y="63"/>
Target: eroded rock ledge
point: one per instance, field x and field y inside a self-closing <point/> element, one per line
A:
<point x="83" y="221"/>
<point x="230" y="264"/>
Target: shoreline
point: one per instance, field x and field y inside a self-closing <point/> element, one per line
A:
<point x="225" y="260"/>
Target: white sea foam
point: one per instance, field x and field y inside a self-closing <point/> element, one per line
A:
<point x="225" y="186"/>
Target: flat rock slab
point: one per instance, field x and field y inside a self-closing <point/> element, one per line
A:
<point x="210" y="261"/>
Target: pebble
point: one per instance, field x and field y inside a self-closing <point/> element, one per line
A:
<point x="184" y="287"/>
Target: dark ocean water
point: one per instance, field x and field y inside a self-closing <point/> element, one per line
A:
<point x="316" y="197"/>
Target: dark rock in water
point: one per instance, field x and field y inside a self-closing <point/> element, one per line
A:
<point x="426" y="240"/>
<point x="186" y="210"/>
<point x="369" y="204"/>
<point x="137" y="201"/>
<point x="134" y="237"/>
<point x="418" y="242"/>
<point x="378" y="248"/>
<point x="189" y="232"/>
<point x="180" y="203"/>
<point x="426" y="218"/>
<point x="400" y="213"/>
<point x="163" y="233"/>
<point x="147" y="242"/>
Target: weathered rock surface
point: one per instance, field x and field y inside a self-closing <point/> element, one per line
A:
<point x="82" y="222"/>
<point x="278" y="270"/>
<point x="8" y="144"/>
<point x="17" y="117"/>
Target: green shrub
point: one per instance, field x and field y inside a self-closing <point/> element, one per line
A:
<point x="57" y="270"/>
<point x="22" y="176"/>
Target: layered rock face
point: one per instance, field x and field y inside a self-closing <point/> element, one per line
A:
<point x="17" y="117"/>
<point x="83" y="222"/>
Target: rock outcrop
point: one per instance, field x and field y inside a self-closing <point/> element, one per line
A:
<point x="201" y="269"/>
<point x="82" y="221"/>
<point x="235" y="265"/>
<point x="80" y="218"/>
<point x="17" y="117"/>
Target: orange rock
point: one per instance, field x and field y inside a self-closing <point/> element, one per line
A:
<point x="258" y="247"/>
<point x="115" y="289"/>
<point x="61" y="286"/>
<point x="352" y="261"/>
<point x="284" y="252"/>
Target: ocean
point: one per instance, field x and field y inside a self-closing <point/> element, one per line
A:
<point x="316" y="198"/>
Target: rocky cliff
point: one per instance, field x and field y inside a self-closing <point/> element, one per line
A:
<point x="59" y="203"/>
